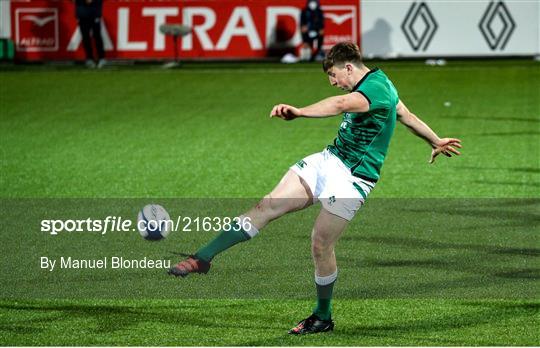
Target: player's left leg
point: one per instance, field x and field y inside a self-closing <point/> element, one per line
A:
<point x="327" y="230"/>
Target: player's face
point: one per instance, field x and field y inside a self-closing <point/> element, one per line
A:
<point x="340" y="77"/>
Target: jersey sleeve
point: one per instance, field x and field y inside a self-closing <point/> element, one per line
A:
<point x="377" y="94"/>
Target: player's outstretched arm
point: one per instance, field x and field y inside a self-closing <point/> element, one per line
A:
<point x="446" y="146"/>
<point x="352" y="102"/>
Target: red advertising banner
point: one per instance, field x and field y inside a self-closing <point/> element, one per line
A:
<point x="47" y="29"/>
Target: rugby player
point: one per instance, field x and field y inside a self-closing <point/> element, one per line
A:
<point x="340" y="177"/>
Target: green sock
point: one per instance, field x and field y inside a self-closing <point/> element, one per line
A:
<point x="225" y="239"/>
<point x="324" y="299"/>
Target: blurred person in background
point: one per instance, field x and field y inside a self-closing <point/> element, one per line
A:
<point x="312" y="29"/>
<point x="89" y="13"/>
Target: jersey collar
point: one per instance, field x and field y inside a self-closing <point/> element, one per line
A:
<point x="364" y="78"/>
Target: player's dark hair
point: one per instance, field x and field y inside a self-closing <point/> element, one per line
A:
<point x="342" y="53"/>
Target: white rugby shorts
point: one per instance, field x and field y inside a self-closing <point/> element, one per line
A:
<point x="332" y="183"/>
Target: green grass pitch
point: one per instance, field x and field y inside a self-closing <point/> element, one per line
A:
<point x="444" y="254"/>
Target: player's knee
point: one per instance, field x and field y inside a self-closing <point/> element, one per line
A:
<point x="320" y="247"/>
<point x="262" y="205"/>
<point x="268" y="206"/>
<point x="278" y="206"/>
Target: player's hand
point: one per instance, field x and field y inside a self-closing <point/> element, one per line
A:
<point x="446" y="146"/>
<point x="285" y="112"/>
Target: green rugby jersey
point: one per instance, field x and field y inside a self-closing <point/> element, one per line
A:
<point x="363" y="138"/>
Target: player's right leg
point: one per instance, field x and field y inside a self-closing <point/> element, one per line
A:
<point x="326" y="232"/>
<point x="290" y="194"/>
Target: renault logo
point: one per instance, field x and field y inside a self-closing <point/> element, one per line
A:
<point x="419" y="14"/>
<point x="497" y="12"/>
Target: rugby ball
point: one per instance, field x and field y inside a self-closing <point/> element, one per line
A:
<point x="153" y="222"/>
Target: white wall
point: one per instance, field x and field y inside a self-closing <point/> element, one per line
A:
<point x="5" y="19"/>
<point x="455" y="30"/>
